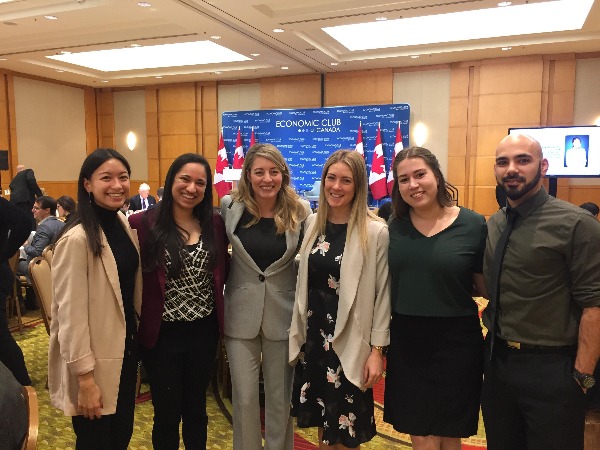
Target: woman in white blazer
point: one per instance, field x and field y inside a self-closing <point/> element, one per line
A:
<point x="342" y="309"/>
<point x="263" y="220"/>
<point x="97" y="280"/>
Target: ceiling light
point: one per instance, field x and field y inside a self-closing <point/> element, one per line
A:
<point x="284" y="67"/>
<point x="144" y="4"/>
<point x="3" y="59"/>
<point x="278" y="30"/>
<point x="51" y="17"/>
<point x="501" y="4"/>
<point x="255" y="54"/>
<point x="159" y="77"/>
<point x="153" y="56"/>
<point x="218" y="72"/>
<point x="135" y="45"/>
<point x="215" y="37"/>
<point x="380" y="19"/>
<point x="506" y="48"/>
<point x="334" y="64"/>
<point x="524" y="19"/>
<point x="59" y="71"/>
<point x="414" y="56"/>
<point x="65" y="52"/>
<point x="104" y="81"/>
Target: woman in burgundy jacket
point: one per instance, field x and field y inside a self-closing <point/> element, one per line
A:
<point x="185" y="261"/>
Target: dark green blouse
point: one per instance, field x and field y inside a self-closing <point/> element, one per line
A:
<point x="433" y="276"/>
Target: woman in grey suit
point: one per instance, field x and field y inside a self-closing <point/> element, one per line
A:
<point x="263" y="219"/>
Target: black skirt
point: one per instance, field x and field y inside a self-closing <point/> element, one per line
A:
<point x="434" y="375"/>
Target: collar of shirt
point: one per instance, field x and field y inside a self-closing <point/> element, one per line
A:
<point x="526" y="208"/>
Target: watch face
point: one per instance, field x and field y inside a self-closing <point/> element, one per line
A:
<point x="588" y="382"/>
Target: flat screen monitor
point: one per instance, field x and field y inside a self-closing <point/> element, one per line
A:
<point x="570" y="151"/>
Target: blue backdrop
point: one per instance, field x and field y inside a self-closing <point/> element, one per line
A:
<point x="306" y="137"/>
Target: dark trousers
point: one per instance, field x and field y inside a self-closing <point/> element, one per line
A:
<point x="179" y="370"/>
<point x="10" y="352"/>
<point x="112" y="432"/>
<point x="530" y="401"/>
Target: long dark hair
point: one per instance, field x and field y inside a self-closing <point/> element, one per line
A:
<point x="444" y="197"/>
<point x="166" y="234"/>
<point x="85" y="214"/>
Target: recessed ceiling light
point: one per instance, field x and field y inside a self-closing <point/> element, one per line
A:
<point x="158" y="77"/>
<point x="65" y="52"/>
<point x="51" y="17"/>
<point x="255" y="54"/>
<point x="278" y="30"/>
<point x="218" y="72"/>
<point x="215" y="37"/>
<point x="144" y="4"/>
<point x="59" y="71"/>
<point x="153" y="56"/>
<point x="105" y="81"/>
<point x="414" y="56"/>
<point x="284" y="67"/>
<point x="135" y="45"/>
<point x="381" y="19"/>
<point x="506" y="48"/>
<point x="334" y="64"/>
<point x="501" y="4"/>
<point x="521" y="19"/>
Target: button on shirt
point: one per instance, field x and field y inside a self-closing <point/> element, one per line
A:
<point x="550" y="272"/>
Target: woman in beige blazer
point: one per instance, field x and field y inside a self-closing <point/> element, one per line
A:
<point x="96" y="277"/>
<point x="342" y="310"/>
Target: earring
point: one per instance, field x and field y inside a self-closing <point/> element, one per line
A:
<point x="90" y="197"/>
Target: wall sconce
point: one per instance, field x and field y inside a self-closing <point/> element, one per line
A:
<point x="420" y="133"/>
<point x="131" y="140"/>
<point x="597" y="122"/>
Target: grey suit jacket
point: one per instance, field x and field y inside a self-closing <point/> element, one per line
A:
<point x="46" y="234"/>
<point x="254" y="299"/>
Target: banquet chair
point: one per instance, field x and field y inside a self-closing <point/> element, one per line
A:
<point x="39" y="273"/>
<point x="13" y="298"/>
<point x="30" y="441"/>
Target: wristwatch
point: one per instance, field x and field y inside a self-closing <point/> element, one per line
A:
<point x="585" y="380"/>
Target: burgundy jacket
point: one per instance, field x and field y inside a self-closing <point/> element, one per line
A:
<point x="153" y="292"/>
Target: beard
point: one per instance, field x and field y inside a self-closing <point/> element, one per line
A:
<point x="515" y="193"/>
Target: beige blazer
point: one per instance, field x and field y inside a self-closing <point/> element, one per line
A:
<point x="364" y="307"/>
<point x="87" y="331"/>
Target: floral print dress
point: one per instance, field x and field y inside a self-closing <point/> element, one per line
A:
<point x="323" y="397"/>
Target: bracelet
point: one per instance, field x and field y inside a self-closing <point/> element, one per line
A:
<point x="379" y="348"/>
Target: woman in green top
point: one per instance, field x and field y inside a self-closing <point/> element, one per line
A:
<point x="435" y="359"/>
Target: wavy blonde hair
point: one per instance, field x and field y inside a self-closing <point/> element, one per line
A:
<point x="289" y="212"/>
<point x="359" y="213"/>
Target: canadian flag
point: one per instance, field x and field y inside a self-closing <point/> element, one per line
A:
<point x="397" y="147"/>
<point x="252" y="138"/>
<point x="377" y="177"/>
<point x="359" y="141"/>
<point x="221" y="186"/>
<point x="238" y="156"/>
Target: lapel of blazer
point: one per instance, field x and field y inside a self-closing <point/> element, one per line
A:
<point x="233" y="216"/>
<point x="350" y="273"/>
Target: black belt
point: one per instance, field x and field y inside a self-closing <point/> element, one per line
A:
<point x="534" y="348"/>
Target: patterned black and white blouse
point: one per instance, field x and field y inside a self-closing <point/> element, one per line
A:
<point x="189" y="296"/>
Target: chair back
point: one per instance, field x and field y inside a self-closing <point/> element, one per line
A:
<point x="30" y="441"/>
<point x="47" y="254"/>
<point x="39" y="272"/>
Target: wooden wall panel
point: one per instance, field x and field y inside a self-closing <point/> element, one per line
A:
<point x="5" y="175"/>
<point x="106" y="118"/>
<point x="58" y="188"/>
<point x="91" y="119"/>
<point x="299" y="91"/>
<point x="179" y="97"/>
<point x="367" y="87"/>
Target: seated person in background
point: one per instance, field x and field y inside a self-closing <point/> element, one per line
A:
<point x="13" y="411"/>
<point x="385" y="211"/>
<point x="48" y="226"/>
<point x="143" y="200"/>
<point x="591" y="207"/>
<point x="159" y="193"/>
<point x="66" y="206"/>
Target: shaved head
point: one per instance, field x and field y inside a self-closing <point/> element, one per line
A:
<point x="523" y="141"/>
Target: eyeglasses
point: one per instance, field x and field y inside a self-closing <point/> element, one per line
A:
<point x="37" y="208"/>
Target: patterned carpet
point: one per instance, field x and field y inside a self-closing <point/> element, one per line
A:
<point x="55" y="430"/>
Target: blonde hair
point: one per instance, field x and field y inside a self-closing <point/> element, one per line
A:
<point x="359" y="213"/>
<point x="288" y="210"/>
